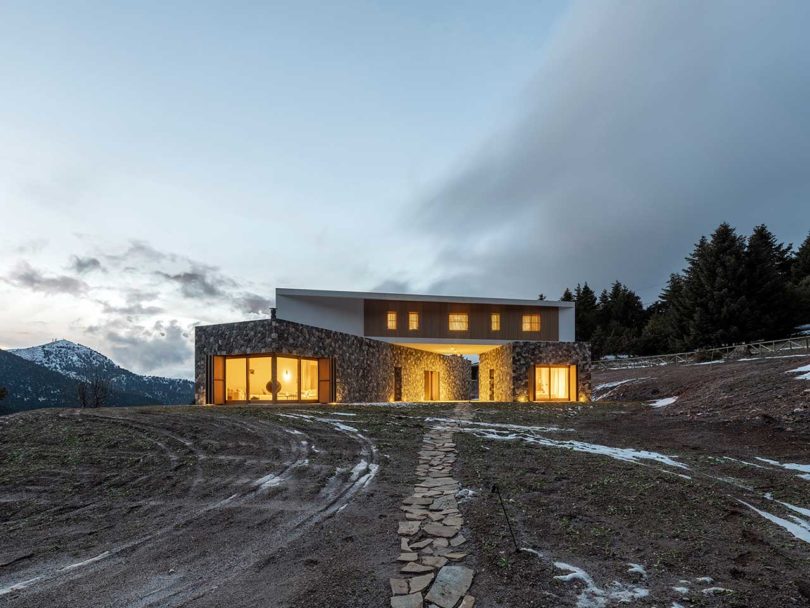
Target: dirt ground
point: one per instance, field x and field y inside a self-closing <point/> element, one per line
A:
<point x="614" y="502"/>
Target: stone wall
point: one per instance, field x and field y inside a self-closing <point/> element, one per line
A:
<point x="500" y="360"/>
<point x="364" y="368"/>
<point x="513" y="361"/>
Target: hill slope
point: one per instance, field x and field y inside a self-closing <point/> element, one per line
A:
<point x="47" y="376"/>
<point x="81" y="363"/>
<point x="30" y="385"/>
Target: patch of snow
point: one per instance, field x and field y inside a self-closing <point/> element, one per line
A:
<point x="804" y="370"/>
<point x="268" y="481"/>
<point x="716" y="591"/>
<point x="681" y="590"/>
<point x="623" y="454"/>
<point x="799" y="527"/>
<point x="532" y="551"/>
<point x="801" y="510"/>
<point x="18" y="586"/>
<point x="465" y="494"/>
<point x="594" y="596"/>
<point x="637" y="569"/>
<point x="791" y="466"/>
<point x="709" y="362"/>
<point x="98" y="557"/>
<point x="663" y="402"/>
<point x="343" y="414"/>
<point x="612" y="386"/>
<point x="704" y="579"/>
<point x="502" y="425"/>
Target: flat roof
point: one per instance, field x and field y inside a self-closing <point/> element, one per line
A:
<point x="412" y="297"/>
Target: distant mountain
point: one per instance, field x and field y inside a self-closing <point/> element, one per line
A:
<point x="31" y="386"/>
<point x="47" y="375"/>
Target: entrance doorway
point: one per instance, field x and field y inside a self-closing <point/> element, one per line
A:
<point x="553" y="382"/>
<point x="431" y="385"/>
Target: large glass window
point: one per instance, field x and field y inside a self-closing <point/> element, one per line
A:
<point x="391" y="319"/>
<point x="413" y="321"/>
<point x="260" y="378"/>
<point x="531" y="322"/>
<point x="458" y="321"/>
<point x="235" y="379"/>
<point x="250" y="379"/>
<point x="551" y="383"/>
<point x="309" y="379"/>
<point x="287" y="376"/>
<point x="495" y="321"/>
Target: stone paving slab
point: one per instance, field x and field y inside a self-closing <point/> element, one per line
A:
<point x="430" y="532"/>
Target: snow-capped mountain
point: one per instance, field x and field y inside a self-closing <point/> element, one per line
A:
<point x="70" y="359"/>
<point x="78" y="363"/>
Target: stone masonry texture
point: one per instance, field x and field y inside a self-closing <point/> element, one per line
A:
<point x="364" y="368"/>
<point x="511" y="364"/>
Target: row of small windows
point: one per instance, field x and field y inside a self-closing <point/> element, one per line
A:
<point x="460" y="321"/>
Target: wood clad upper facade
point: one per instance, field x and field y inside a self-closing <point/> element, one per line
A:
<point x="434" y="320"/>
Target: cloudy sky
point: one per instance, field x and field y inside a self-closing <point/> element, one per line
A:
<point x="170" y="163"/>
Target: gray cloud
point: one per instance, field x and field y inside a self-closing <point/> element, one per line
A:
<point x="157" y="347"/>
<point x="198" y="282"/>
<point x="26" y="276"/>
<point x="82" y="265"/>
<point x="647" y="125"/>
<point x="251" y="303"/>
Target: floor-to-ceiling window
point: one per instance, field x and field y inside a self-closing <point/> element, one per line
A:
<point x="309" y="379"/>
<point x="260" y="378"/>
<point x="287" y="375"/>
<point x="551" y="382"/>
<point x="267" y="378"/>
<point x="236" y="379"/>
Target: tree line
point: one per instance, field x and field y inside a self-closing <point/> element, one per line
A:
<point x="734" y="289"/>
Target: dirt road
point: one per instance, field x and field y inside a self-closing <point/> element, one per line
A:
<point x="166" y="507"/>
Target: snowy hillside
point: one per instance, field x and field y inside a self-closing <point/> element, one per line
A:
<point x="80" y="363"/>
<point x="70" y="359"/>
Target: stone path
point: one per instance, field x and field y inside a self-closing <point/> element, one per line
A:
<point x="431" y="542"/>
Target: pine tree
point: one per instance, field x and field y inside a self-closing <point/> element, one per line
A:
<point x="620" y="318"/>
<point x="567" y="296"/>
<point x="800" y="268"/>
<point x="585" y="300"/>
<point x="668" y="320"/>
<point x="715" y="290"/>
<point x="769" y="308"/>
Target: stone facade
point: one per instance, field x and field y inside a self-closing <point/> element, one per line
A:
<point x="511" y="364"/>
<point x="364" y="368"/>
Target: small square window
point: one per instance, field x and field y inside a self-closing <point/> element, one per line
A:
<point x="458" y="321"/>
<point x="531" y="322"/>
<point x="392" y="320"/>
<point x="413" y="321"/>
<point x="495" y="321"/>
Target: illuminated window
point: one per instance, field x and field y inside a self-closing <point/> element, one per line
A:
<point x="309" y="379"/>
<point x="551" y="383"/>
<point x="531" y="322"/>
<point x="495" y="321"/>
<point x="392" y="319"/>
<point x="458" y="321"/>
<point x="413" y="320"/>
<point x="260" y="378"/>
<point x="287" y="377"/>
<point x="235" y="379"/>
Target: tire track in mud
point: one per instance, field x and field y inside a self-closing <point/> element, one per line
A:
<point x="183" y="519"/>
<point x="196" y="579"/>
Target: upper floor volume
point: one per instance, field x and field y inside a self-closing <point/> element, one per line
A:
<point x="422" y="320"/>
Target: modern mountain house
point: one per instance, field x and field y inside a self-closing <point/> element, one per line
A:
<point x="340" y="346"/>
